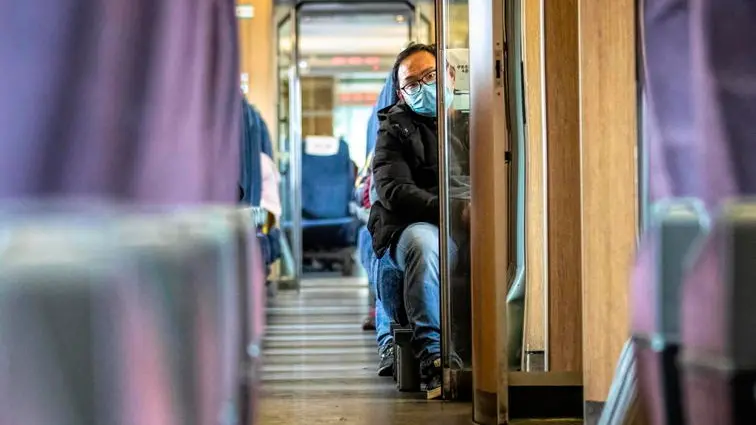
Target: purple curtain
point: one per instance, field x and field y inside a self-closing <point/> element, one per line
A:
<point x="669" y="127"/>
<point x="700" y="83"/>
<point x="724" y="74"/>
<point x="134" y="100"/>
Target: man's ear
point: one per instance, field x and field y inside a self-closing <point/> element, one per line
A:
<point x="453" y="76"/>
<point x="452" y="71"/>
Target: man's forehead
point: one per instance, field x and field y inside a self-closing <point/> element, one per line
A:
<point x="416" y="65"/>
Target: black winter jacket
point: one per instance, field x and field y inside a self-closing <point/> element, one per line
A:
<point x="405" y="174"/>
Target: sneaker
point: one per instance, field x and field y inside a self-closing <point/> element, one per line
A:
<point x="431" y="374"/>
<point x="386" y="364"/>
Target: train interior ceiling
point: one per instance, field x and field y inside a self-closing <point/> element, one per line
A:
<point x="540" y="216"/>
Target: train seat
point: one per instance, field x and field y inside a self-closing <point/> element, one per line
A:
<point x="329" y="231"/>
<point x="250" y="179"/>
<point x="718" y="352"/>
<point x="129" y="318"/>
<point x="327" y="178"/>
<point x="50" y="298"/>
<point x="259" y="180"/>
<point x="657" y="284"/>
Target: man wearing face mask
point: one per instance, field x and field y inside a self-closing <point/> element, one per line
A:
<point x="404" y="219"/>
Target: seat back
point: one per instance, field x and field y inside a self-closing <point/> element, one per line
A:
<point x="387" y="97"/>
<point x="250" y="179"/>
<point x="74" y="334"/>
<point x="656" y="290"/>
<point x="327" y="178"/>
<point x="140" y="318"/>
<point x="198" y="267"/>
<point x="110" y="123"/>
<point x="718" y="321"/>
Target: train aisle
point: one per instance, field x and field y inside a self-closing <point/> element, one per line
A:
<point x="320" y="366"/>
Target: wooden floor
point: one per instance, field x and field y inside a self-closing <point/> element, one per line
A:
<point x="320" y="367"/>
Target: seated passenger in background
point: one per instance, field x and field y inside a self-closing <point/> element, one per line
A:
<point x="382" y="322"/>
<point x="364" y="246"/>
<point x="404" y="219"/>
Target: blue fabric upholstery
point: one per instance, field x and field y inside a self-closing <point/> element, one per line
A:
<point x="386" y="98"/>
<point x="326" y="237"/>
<point x="310" y="223"/>
<point x="266" y="145"/>
<point x="253" y="133"/>
<point x="327" y="183"/>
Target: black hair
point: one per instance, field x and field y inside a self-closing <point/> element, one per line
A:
<point x="404" y="54"/>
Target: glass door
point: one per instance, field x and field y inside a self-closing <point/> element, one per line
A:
<point x="289" y="149"/>
<point x="456" y="195"/>
<point x="515" y="104"/>
<point x="422" y="30"/>
<point x="313" y="60"/>
<point x="644" y="196"/>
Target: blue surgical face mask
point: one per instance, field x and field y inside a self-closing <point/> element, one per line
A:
<point x="424" y="101"/>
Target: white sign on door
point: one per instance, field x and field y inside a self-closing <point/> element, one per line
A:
<point x="460" y="60"/>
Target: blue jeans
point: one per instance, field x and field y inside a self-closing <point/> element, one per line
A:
<point x="368" y="260"/>
<point x="416" y="257"/>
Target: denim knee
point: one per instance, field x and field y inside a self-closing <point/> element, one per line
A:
<point x="419" y="243"/>
<point x="389" y="281"/>
<point x="365" y="248"/>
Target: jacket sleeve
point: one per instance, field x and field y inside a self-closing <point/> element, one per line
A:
<point x="396" y="189"/>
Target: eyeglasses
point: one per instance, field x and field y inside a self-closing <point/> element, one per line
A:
<point x="414" y="87"/>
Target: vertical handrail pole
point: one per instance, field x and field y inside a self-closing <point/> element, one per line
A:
<point x="443" y="191"/>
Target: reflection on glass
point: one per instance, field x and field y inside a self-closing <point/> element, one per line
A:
<point x="423" y="30"/>
<point x="284" y="55"/>
<point x="327" y="87"/>
<point x="457" y="143"/>
<point x="644" y="198"/>
<point x="516" y="100"/>
<point x="284" y="62"/>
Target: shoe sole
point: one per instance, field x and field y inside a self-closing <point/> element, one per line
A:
<point x="433" y="394"/>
